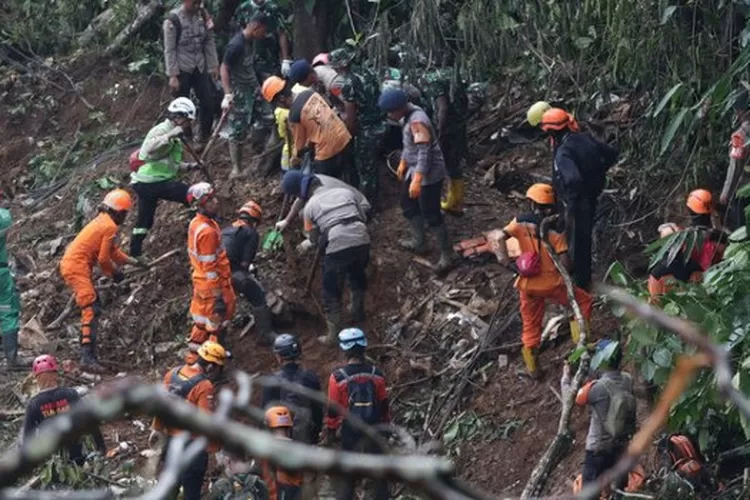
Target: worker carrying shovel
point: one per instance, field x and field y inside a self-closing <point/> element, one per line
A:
<point x="241" y="240"/>
<point x="538" y="278"/>
<point x="213" y="299"/>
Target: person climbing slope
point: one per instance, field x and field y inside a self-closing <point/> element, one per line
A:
<point x="240" y="241"/>
<point x="161" y="155"/>
<point x="10" y="302"/>
<point x="95" y="245"/>
<point x="51" y="401"/>
<point x="579" y="169"/>
<point x="195" y="383"/>
<point x="282" y="484"/>
<point x="422" y="171"/>
<point x="538" y="278"/>
<point x="213" y="301"/>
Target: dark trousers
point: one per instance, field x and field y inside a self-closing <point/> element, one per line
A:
<point x="245" y="284"/>
<point x="348" y="484"/>
<point x="427" y="205"/>
<point x="191" y="479"/>
<point x="597" y="462"/>
<point x="351" y="263"/>
<point x="453" y="146"/>
<point x="149" y="195"/>
<point x="580" y="238"/>
<point x="336" y="165"/>
<point x="204" y="90"/>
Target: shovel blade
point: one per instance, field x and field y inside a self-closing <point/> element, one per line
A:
<point x="273" y="241"/>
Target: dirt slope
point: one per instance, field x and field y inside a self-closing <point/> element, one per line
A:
<point x="519" y="417"/>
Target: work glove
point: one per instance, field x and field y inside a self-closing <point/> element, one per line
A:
<point x="281" y="225"/>
<point x="401" y="172"/>
<point x="155" y="440"/>
<point x="415" y="188"/>
<point x="252" y="269"/>
<point x="286" y="65"/>
<point x="220" y="307"/>
<point x="117" y="276"/>
<point x="304" y="247"/>
<point x="227" y="102"/>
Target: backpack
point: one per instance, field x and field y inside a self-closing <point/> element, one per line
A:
<point x="182" y="387"/>
<point x="363" y="402"/>
<point x="529" y="264"/>
<point x="135" y="161"/>
<point x="684" y="457"/>
<point x="619" y="422"/>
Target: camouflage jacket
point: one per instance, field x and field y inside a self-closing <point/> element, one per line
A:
<point x="361" y="86"/>
<point x="267" y="55"/>
<point x="445" y="82"/>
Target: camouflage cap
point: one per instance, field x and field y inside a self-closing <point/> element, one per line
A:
<point x="341" y="58"/>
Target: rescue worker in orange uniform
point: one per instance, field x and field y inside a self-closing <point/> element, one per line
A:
<point x="282" y="485"/>
<point x="213" y="300"/>
<point x="95" y="244"/>
<point x="195" y="383"/>
<point x="539" y="280"/>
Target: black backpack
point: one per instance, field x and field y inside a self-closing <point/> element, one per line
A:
<point x="182" y="387"/>
<point x="363" y="401"/>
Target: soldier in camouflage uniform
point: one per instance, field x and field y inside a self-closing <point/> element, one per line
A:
<point x="447" y="104"/>
<point x="364" y="119"/>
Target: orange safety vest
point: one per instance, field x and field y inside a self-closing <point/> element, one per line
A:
<point x="207" y="257"/>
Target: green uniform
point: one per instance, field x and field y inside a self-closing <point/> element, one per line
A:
<point x="10" y="303"/>
<point x="240" y="58"/>
<point x="362" y="87"/>
<point x="447" y="82"/>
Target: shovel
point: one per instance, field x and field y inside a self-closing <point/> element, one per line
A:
<point x="201" y="166"/>
<point x="212" y="140"/>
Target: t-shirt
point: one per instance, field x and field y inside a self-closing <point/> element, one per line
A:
<point x="525" y="229"/>
<point x="313" y="121"/>
<point x="240" y="59"/>
<point x="48" y="404"/>
<point x="241" y="242"/>
<point x="340" y="215"/>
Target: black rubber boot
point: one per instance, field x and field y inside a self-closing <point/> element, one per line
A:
<point x="10" y="349"/>
<point x="136" y="244"/>
<point x="333" y="324"/>
<point x="416" y="242"/>
<point x="88" y="359"/>
<point x="263" y="325"/>
<point x="447" y="257"/>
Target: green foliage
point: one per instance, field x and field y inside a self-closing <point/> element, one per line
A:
<point x="720" y="305"/>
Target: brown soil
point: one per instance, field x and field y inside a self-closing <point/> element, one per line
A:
<point x="154" y="308"/>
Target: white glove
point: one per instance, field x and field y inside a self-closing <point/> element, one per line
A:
<point x="226" y="103"/>
<point x="286" y="65"/>
<point x="175" y="132"/>
<point x="304" y="246"/>
<point x="281" y="225"/>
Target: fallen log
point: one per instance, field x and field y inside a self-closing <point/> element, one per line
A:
<point x="144" y="14"/>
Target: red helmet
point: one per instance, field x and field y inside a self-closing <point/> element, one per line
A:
<point x="44" y="363"/>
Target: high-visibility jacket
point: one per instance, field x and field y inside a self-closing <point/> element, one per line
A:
<point x="211" y="269"/>
<point x="94" y="244"/>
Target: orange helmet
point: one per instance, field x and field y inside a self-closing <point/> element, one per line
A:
<point x="543" y="194"/>
<point x="271" y="87"/>
<point x="278" y="416"/>
<point x="699" y="201"/>
<point x="118" y="200"/>
<point x="252" y="210"/>
<point x="558" y="119"/>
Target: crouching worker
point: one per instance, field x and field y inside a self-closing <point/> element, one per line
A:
<point x="613" y="412"/>
<point x="51" y="401"/>
<point x="240" y="241"/>
<point x="195" y="384"/>
<point x="95" y="244"/>
<point x="281" y="484"/>
<point x="538" y="278"/>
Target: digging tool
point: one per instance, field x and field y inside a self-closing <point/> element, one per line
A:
<point x="313" y="271"/>
<point x="275" y="239"/>
<point x="215" y="134"/>
<point x="201" y="166"/>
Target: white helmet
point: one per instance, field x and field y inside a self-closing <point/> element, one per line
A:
<point x="199" y="193"/>
<point x="183" y="106"/>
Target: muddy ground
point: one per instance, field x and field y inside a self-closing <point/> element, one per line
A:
<point x="514" y="418"/>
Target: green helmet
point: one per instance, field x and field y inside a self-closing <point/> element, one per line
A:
<point x="341" y="58"/>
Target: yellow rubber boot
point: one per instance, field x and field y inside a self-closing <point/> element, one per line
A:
<point x="454" y="200"/>
<point x="529" y="359"/>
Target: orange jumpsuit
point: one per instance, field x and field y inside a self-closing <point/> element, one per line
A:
<point x="212" y="278"/>
<point x="548" y="284"/>
<point x="282" y="485"/>
<point x="94" y="244"/>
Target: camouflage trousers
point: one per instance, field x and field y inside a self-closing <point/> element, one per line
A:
<point x="243" y="114"/>
<point x="367" y="151"/>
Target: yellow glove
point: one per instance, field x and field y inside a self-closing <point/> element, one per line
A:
<point x="401" y="172"/>
<point x="415" y="188"/>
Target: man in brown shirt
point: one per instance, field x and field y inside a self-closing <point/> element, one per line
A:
<point x="190" y="59"/>
<point x="314" y="125"/>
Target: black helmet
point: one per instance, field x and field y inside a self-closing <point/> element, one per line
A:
<point x="286" y="346"/>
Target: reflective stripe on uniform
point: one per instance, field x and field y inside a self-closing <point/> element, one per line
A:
<point x="140" y="230"/>
<point x="203" y="320"/>
<point x="212" y="275"/>
<point x="204" y="258"/>
<point x="211" y="257"/>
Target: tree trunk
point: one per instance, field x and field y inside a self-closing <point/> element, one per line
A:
<point x="145" y="12"/>
<point x="311" y="30"/>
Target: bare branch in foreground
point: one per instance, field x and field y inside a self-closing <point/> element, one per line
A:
<point x="11" y="494"/>
<point x="428" y="474"/>
<point x="563" y="439"/>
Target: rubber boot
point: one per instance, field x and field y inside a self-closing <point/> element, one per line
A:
<point x="88" y="359"/>
<point x="333" y="323"/>
<point x="416" y="242"/>
<point x="455" y="198"/>
<point x="136" y="244"/>
<point x="235" y="155"/>
<point x="447" y="260"/>
<point x="358" y="306"/>
<point x="263" y="325"/>
<point x="529" y="359"/>
<point x="10" y="348"/>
